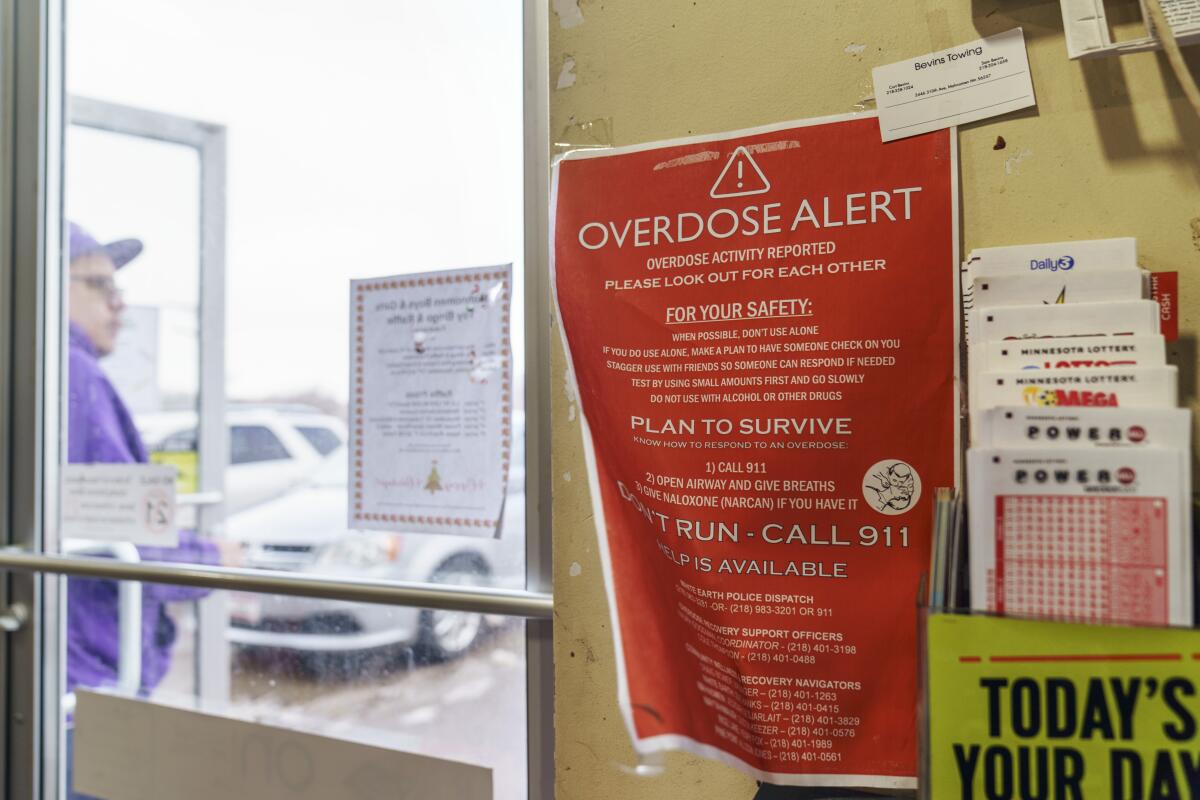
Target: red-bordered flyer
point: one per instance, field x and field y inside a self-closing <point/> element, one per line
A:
<point x="431" y="401"/>
<point x="762" y="329"/>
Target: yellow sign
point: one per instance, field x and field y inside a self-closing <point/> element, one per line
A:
<point x="186" y="463"/>
<point x="1053" y="711"/>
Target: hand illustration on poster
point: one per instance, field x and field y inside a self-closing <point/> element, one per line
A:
<point x="762" y="328"/>
<point x="431" y="409"/>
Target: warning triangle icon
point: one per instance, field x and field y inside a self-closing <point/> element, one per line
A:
<point x="740" y="177"/>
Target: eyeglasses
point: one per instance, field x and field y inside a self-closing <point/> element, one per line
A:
<point x="102" y="284"/>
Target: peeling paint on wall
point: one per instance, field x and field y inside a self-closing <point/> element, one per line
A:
<point x="1196" y="232"/>
<point x="566" y="75"/>
<point x="569" y="391"/>
<point x="854" y="49"/>
<point x="567" y="477"/>
<point x="1012" y="165"/>
<point x="569" y="13"/>
<point x="575" y="570"/>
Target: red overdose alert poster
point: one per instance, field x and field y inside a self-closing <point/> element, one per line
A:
<point x="762" y="331"/>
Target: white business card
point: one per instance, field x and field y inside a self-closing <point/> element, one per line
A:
<point x="119" y="503"/>
<point x="969" y="82"/>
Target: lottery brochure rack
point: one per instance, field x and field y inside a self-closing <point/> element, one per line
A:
<point x="1061" y="581"/>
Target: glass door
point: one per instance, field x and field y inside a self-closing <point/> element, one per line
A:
<point x="194" y="188"/>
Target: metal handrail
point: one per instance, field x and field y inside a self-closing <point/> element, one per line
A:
<point x="531" y="605"/>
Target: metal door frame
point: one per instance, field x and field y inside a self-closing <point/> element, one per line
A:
<point x="212" y="441"/>
<point x="32" y="235"/>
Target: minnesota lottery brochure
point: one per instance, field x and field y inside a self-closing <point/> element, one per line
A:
<point x="1072" y="352"/>
<point x="1104" y="387"/>
<point x="1062" y="353"/>
<point x="1000" y="329"/>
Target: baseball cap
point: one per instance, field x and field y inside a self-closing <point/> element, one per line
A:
<point x="121" y="251"/>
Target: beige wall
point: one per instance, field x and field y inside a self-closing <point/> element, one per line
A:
<point x="1111" y="149"/>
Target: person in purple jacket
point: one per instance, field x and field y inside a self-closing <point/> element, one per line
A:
<point x="101" y="430"/>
